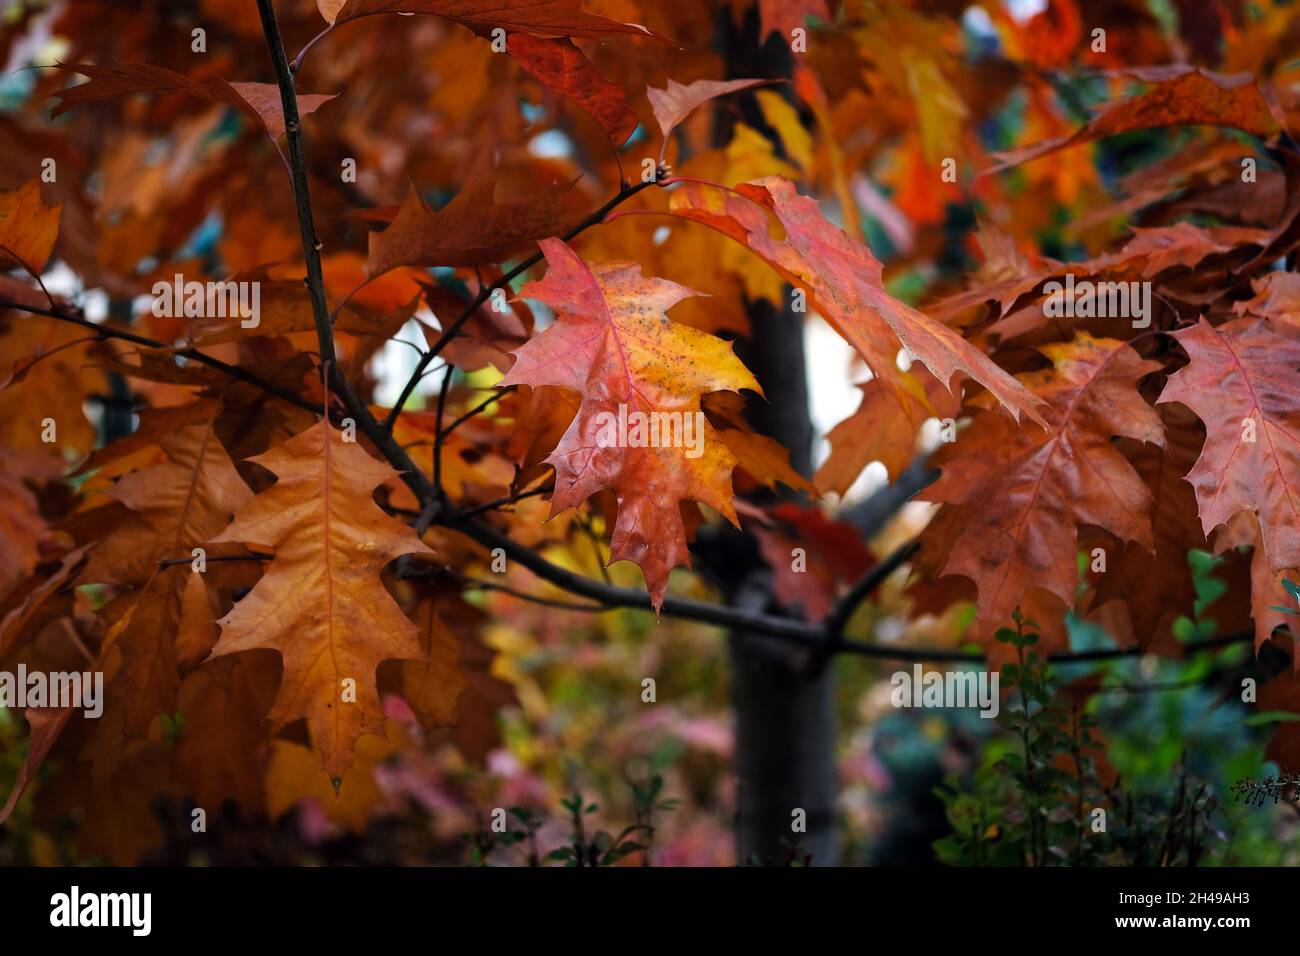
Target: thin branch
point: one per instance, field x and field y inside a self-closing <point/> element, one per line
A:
<point x="496" y="396"/>
<point x="474" y="582"/>
<point x="383" y="440"/>
<point x="812" y="635"/>
<point x="255" y="556"/>
<point x="490" y="538"/>
<point x="193" y="354"/>
<point x="838" y="618"/>
<point x="508" y="500"/>
<point x="438" y="434"/>
<point x="533" y="598"/>
<point x="428" y="515"/>
<point x="298" y="162"/>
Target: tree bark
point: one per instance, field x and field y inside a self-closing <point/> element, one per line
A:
<point x="785" y="712"/>
<point x="785" y="715"/>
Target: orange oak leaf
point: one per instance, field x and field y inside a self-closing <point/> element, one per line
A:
<point x="546" y="18"/>
<point x="846" y="283"/>
<point x="635" y="370"/>
<point x="455" y="631"/>
<point x="562" y="67"/>
<point x="849" y="280"/>
<point x="472" y="229"/>
<point x="676" y="101"/>
<point x="1182" y="244"/>
<point x="285" y="309"/>
<point x="432" y="686"/>
<point x="221" y="754"/>
<point x="259" y="100"/>
<point x="763" y="458"/>
<point x="1267" y="587"/>
<point x="1179" y="96"/>
<point x="45" y="384"/>
<point x="321" y="602"/>
<point x="28" y="227"/>
<point x="1025" y="492"/>
<point x="1241" y="383"/>
<point x="884" y="428"/>
<point x="1277" y="298"/>
<point x="23" y="531"/>
<point x="174" y="507"/>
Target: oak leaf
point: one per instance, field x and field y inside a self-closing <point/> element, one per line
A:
<point x="1179" y="96"/>
<point x="885" y="427"/>
<point x="612" y="342"/>
<point x="544" y="18"/>
<point x="28" y="227"/>
<point x="321" y="603"/>
<point x="259" y="100"/>
<point x="23" y="531"/>
<point x="1025" y="492"/>
<point x="1267" y="580"/>
<point x="174" y="507"/>
<point x="762" y="458"/>
<point x="561" y="66"/>
<point x="1167" y="588"/>
<point x="676" y="101"/>
<point x="846" y="284"/>
<point x="472" y="229"/>
<point x="49" y="375"/>
<point x="1241" y="383"/>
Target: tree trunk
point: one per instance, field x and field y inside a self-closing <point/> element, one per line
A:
<point x="785" y="714"/>
<point x="785" y="756"/>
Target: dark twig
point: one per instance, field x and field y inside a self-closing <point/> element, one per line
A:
<point x="108" y="331"/>
<point x="470" y="581"/>
<point x="382" y="439"/>
<point x="255" y="556"/>
<point x="496" y="396"/>
<point x="838" y="618"/>
<point x="843" y="610"/>
<point x="808" y="634"/>
<point x="508" y="500"/>
<point x="439" y="435"/>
